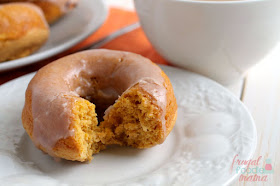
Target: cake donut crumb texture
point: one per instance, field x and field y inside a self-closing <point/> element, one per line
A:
<point x="79" y="104"/>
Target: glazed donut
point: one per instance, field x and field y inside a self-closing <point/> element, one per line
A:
<point x="53" y="9"/>
<point x="132" y="97"/>
<point x="23" y="30"/>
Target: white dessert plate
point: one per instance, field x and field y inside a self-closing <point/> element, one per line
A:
<point x="212" y="127"/>
<point x="66" y="32"/>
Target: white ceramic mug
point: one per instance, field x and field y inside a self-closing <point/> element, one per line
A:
<point x="219" y="39"/>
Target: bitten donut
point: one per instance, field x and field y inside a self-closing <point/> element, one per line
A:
<point x="23" y="30"/>
<point x="53" y="9"/>
<point x="78" y="104"/>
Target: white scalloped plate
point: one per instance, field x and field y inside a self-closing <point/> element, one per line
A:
<point x="65" y="33"/>
<point x="212" y="127"/>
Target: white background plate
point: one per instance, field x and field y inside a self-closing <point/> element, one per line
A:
<point x="66" y="32"/>
<point x="212" y="127"/>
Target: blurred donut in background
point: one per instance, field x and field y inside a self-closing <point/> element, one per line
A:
<point x="23" y="30"/>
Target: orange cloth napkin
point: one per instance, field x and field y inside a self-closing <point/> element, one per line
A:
<point x="134" y="41"/>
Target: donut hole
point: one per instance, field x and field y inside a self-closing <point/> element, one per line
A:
<point x="96" y="92"/>
<point x="101" y="104"/>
